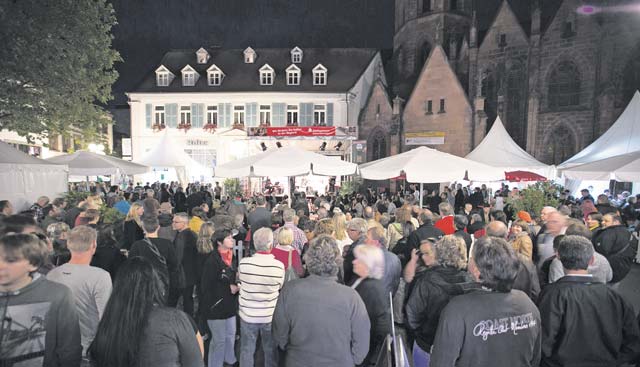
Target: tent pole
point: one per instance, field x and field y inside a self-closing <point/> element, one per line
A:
<point x="421" y="194"/>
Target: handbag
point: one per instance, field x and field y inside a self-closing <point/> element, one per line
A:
<point x="290" y="273"/>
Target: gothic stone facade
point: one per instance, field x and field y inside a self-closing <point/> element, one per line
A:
<point x="557" y="78"/>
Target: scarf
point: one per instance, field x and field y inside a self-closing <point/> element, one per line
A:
<point x="226" y="255"/>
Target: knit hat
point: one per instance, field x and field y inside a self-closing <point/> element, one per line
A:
<point x="524" y="216"/>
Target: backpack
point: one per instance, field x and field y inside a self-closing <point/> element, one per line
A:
<point x="290" y="273"/>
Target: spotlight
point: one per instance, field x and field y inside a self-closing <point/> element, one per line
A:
<point x="279" y="144"/>
<point x="263" y="146"/>
<point x="323" y="146"/>
<point x="338" y="146"/>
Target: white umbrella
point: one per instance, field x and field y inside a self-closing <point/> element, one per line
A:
<point x="288" y="161"/>
<point x="426" y="165"/>
<point x="83" y="163"/>
<point x="623" y="168"/>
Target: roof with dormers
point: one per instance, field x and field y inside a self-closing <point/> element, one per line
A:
<point x="344" y="68"/>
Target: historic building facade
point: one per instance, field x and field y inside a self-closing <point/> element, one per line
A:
<point x="558" y="73"/>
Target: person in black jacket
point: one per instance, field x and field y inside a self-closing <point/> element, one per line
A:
<point x="132" y="227"/>
<point x="180" y="200"/>
<point x="368" y="265"/>
<point x="432" y="290"/>
<point x="585" y="323"/>
<point x="617" y="244"/>
<point x="186" y="253"/>
<point x="219" y="300"/>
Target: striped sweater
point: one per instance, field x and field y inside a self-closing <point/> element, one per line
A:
<point x="261" y="277"/>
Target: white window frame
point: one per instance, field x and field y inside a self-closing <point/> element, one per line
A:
<point x="293" y="75"/>
<point x="185" y="115"/>
<point x="249" y="56"/>
<point x="212" y="115"/>
<point x="319" y="75"/>
<point x="188" y="79"/>
<point x="266" y="75"/>
<point x="239" y="115"/>
<point x="320" y="115"/>
<point x="296" y="57"/>
<point x="162" y="79"/>
<point x="293" y="115"/>
<point x="159" y="115"/>
<point x="214" y="76"/>
<point x="265" y="114"/>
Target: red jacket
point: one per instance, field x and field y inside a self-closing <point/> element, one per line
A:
<point x="446" y="225"/>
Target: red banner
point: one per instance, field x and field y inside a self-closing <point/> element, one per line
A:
<point x="294" y="131"/>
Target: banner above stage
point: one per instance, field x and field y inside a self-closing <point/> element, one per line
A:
<point x="292" y="131"/>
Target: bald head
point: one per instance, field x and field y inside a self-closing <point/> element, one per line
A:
<point x="497" y="229"/>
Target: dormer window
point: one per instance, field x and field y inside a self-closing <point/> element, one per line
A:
<point x="202" y="56"/>
<point x="214" y="76"/>
<point x="249" y="56"/>
<point x="266" y="75"/>
<point x="189" y="76"/>
<point x="293" y="75"/>
<point x="319" y="75"/>
<point x="296" y="55"/>
<point x="164" y="77"/>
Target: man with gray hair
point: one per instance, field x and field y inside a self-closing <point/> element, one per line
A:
<point x="299" y="238"/>
<point x="91" y="286"/>
<point x="392" y="267"/>
<point x="492" y="326"/>
<point x="335" y="334"/>
<point x="445" y="224"/>
<point x="584" y="322"/>
<point x="261" y="276"/>
<point x="357" y="232"/>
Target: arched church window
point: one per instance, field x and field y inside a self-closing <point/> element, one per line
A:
<point x="378" y="146"/>
<point x="564" y="86"/>
<point x="424" y="51"/>
<point x="630" y="79"/>
<point x="490" y="93"/>
<point x="560" y="145"/>
<point x="515" y="105"/>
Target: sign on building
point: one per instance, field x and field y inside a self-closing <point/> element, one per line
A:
<point x="359" y="151"/>
<point x="126" y="147"/>
<point x="424" y="138"/>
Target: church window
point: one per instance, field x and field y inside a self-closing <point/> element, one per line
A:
<point x="503" y="40"/>
<point x="490" y="93"/>
<point x="442" y="110"/>
<point x="378" y="145"/>
<point x="424" y="55"/>
<point x="564" y="86"/>
<point x="568" y="30"/>
<point x="426" y="6"/>
<point x="560" y="145"/>
<point x="515" y="106"/>
<point x="630" y="79"/>
<point x="429" y="107"/>
<point x="453" y="4"/>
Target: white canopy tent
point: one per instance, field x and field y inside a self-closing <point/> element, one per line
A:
<point x="288" y="161"/>
<point x="168" y="154"/>
<point x="24" y="178"/>
<point x="622" y="137"/>
<point x="83" y="163"/>
<point x="427" y="165"/>
<point x="498" y="149"/>
<point x="624" y="168"/>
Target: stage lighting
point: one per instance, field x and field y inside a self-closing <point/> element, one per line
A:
<point x="338" y="146"/>
<point x="279" y="144"/>
<point x="323" y="146"/>
<point x="263" y="146"/>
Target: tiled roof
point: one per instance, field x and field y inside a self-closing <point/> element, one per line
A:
<point x="344" y="65"/>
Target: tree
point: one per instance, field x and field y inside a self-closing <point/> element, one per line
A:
<point x="533" y="198"/>
<point x="57" y="66"/>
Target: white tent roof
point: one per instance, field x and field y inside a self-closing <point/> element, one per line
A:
<point x="167" y="154"/>
<point x="623" y="168"/>
<point x="498" y="149"/>
<point x="287" y="161"/>
<point x="83" y="163"/>
<point x="622" y="137"/>
<point x="428" y="165"/>
<point x="24" y="178"/>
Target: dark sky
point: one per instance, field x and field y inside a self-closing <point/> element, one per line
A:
<point x="148" y="28"/>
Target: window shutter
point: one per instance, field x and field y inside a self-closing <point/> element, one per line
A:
<point x="171" y="110"/>
<point x="148" y="109"/>
<point x="252" y="110"/>
<point x="225" y="115"/>
<point x="278" y="114"/>
<point x="197" y="112"/>
<point x="306" y="114"/>
<point x="329" y="114"/>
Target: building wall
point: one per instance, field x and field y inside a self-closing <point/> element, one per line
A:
<point x="438" y="81"/>
<point x="376" y="124"/>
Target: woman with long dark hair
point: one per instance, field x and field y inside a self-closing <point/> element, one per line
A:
<point x="137" y="330"/>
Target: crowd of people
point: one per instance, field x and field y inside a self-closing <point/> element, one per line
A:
<point x="190" y="273"/>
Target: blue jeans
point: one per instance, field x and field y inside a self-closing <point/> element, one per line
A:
<point x="249" y="336"/>
<point x="223" y="338"/>
<point x="420" y="357"/>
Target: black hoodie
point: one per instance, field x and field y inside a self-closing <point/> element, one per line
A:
<point x="432" y="291"/>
